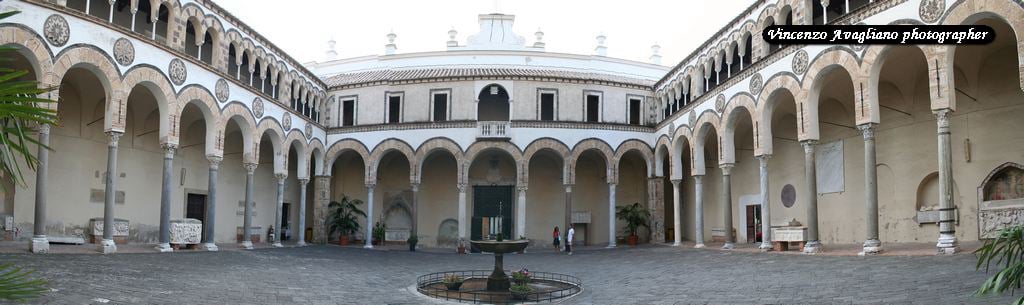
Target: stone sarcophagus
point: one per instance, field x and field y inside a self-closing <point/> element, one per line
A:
<point x="1001" y="200"/>
<point x="254" y="233"/>
<point x="121" y="228"/>
<point x="186" y="231"/>
<point x="789" y="234"/>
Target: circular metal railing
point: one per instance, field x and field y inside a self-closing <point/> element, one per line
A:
<point x="558" y="286"/>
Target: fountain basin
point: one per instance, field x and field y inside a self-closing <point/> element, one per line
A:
<point x="500" y="247"/>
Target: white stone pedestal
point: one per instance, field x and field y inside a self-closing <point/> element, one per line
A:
<point x="212" y="247"/>
<point x="164" y="248"/>
<point x="107" y="246"/>
<point x="812" y="247"/>
<point x="39" y="245"/>
<point x="871" y="247"/>
<point x="246" y="245"/>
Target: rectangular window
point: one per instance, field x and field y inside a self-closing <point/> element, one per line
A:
<point x="348" y="112"/>
<point x="440" y="107"/>
<point x="394" y="109"/>
<point x="593" y="108"/>
<point x="547" y="106"/>
<point x="634" y="111"/>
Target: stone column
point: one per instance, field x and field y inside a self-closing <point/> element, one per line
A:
<point x="871" y="243"/>
<point x="40" y="244"/>
<point x="415" y="209"/>
<point x="107" y="244"/>
<point x="947" y="243"/>
<point x="369" y="215"/>
<point x="250" y="169"/>
<point x="463" y="222"/>
<point x="211" y="205"/>
<point x="727" y="205"/>
<point x="656" y="206"/>
<point x="278" y="232"/>
<point x="813" y="245"/>
<point x="303" y="182"/>
<point x="521" y="212"/>
<point x="165" y="200"/>
<point x="611" y="214"/>
<point x="677" y="213"/>
<point x="766" y="218"/>
<point x="321" y="199"/>
<point x="698" y="191"/>
<point x="568" y="213"/>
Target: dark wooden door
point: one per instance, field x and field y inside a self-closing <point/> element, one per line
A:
<point x="490" y="202"/>
<point x="195" y="207"/>
<point x="753" y="223"/>
<point x="285" y="223"/>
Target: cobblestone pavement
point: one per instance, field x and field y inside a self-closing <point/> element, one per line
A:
<point x="643" y="275"/>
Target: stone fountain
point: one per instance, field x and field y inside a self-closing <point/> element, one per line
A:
<point x="498" y="281"/>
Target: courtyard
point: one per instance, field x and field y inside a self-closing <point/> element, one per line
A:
<point x="641" y="275"/>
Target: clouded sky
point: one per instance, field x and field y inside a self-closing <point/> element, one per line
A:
<point x="302" y="27"/>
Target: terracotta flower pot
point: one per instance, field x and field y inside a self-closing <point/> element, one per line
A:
<point x="343" y="240"/>
<point x="633" y="240"/>
<point x="453" y="286"/>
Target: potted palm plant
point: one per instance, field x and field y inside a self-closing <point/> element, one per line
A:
<point x="635" y="216"/>
<point x="344" y="218"/>
<point x="412" y="241"/>
<point x="1003" y="252"/>
<point x="452" y="281"/>
<point x="379" y="233"/>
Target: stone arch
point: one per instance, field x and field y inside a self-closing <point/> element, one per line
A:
<point x="433" y="145"/>
<point x="706" y="122"/>
<point x="634" y="145"/>
<point x="342" y="146"/>
<point x="871" y="69"/>
<point x="297" y="140"/>
<point x="160" y="87"/>
<point x="202" y="99"/>
<point x="103" y="67"/>
<point x="766" y="103"/>
<point x="549" y="144"/>
<point x="239" y="114"/>
<point x="316" y="156"/>
<point x="393" y="144"/>
<point x="277" y="136"/>
<point x="33" y="48"/>
<point x="661" y="150"/>
<point x="812" y="83"/>
<point x="736" y="106"/>
<point x="595" y="144"/>
<point x="480" y="147"/>
<point x="970" y="11"/>
<point x="683" y="135"/>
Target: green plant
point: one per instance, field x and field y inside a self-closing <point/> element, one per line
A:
<point x="20" y="108"/>
<point x="16" y="284"/>
<point x="634" y="215"/>
<point x="452" y="278"/>
<point x="521" y="277"/>
<point x="412" y="240"/>
<point x="520" y="291"/>
<point x="1006" y="251"/>
<point x="379" y="231"/>
<point x="343" y="216"/>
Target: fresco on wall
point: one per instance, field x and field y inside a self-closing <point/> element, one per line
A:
<point x="1007" y="184"/>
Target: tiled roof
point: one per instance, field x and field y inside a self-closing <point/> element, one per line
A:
<point x="409" y="74"/>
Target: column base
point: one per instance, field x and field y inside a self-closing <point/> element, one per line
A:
<point x="871" y="247"/>
<point x="677" y="244"/>
<point x="164" y="248"/>
<point x="947" y="244"/>
<point x="728" y="246"/>
<point x="39" y="245"/>
<point x="812" y="247"/>
<point x="368" y="246"/>
<point x="212" y="247"/>
<point x="765" y="246"/>
<point x="610" y="246"/>
<point x="698" y="246"/>
<point x="301" y="243"/>
<point x="278" y="245"/>
<point x="246" y="245"/>
<point x="107" y="246"/>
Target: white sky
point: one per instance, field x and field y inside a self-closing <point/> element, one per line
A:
<point x="302" y="27"/>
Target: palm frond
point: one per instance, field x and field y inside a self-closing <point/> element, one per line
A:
<point x="1006" y="252"/>
<point x="18" y="284"/>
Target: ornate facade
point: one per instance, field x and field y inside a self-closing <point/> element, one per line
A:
<point x="861" y="144"/>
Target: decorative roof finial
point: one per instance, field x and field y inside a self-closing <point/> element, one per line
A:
<point x="601" y="49"/>
<point x="451" y="37"/>
<point x="331" y="53"/>
<point x="390" y="48"/>
<point x="540" y="39"/>
<point x="655" y="56"/>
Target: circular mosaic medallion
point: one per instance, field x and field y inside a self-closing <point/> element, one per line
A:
<point x="257" y="107"/>
<point x="800" y="62"/>
<point x="223" y="91"/>
<point x="286" y="122"/>
<point x="931" y="10"/>
<point x="309" y="130"/>
<point x="720" y="103"/>
<point x="755" y="83"/>
<point x="124" y="51"/>
<point x="56" y="30"/>
<point x="177" y="71"/>
<point x="788" y="195"/>
<point x="693" y="117"/>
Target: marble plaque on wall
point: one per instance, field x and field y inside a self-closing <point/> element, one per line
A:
<point x="829" y="165"/>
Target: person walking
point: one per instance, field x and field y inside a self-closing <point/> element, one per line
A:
<point x="556" y="237"/>
<point x="568" y="239"/>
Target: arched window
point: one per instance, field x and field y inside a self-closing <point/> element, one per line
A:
<point x="160" y="28"/>
<point x="78" y="5"/>
<point x="748" y="51"/>
<point x="243" y="70"/>
<point x="268" y="87"/>
<point x="99" y="9"/>
<point x="232" y="63"/>
<point x="122" y="13"/>
<point x="190" y="40"/>
<point x="256" y="75"/>
<point x="493" y="104"/>
<point x="737" y="62"/>
<point x="817" y="13"/>
<point x="143" y="19"/>
<point x="206" y="51"/>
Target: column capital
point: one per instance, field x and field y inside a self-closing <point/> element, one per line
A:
<point x="809" y="145"/>
<point x="726" y="168"/>
<point x="763" y="158"/>
<point x="568" y="188"/>
<point x="250" y="167"/>
<point x="303" y="181"/>
<point x="521" y="187"/>
<point x="214" y="161"/>
<point x="868" y="130"/>
<point x="169" y="149"/>
<point x="415" y="186"/>
<point x="280" y="177"/>
<point x="370" y="186"/>
<point x="676" y="182"/>
<point x="44" y="128"/>
<point x="115" y="136"/>
<point x="942" y="119"/>
<point x="461" y="187"/>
